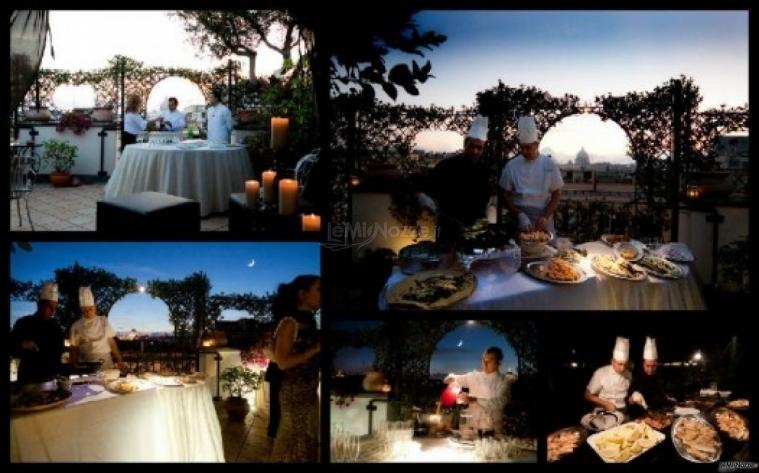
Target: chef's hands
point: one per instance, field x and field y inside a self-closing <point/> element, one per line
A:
<point x="29" y="345"/>
<point x="525" y="224"/>
<point x="609" y="406"/>
<point x="637" y="398"/>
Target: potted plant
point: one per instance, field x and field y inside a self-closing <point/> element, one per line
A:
<point x="238" y="380"/>
<point x="77" y="121"/>
<point x="103" y="113"/>
<point x="59" y="155"/>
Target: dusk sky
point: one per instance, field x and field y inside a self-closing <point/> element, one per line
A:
<point x="226" y="264"/>
<point x="448" y="356"/>
<point x="584" y="53"/>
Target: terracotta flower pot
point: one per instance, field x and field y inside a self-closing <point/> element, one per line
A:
<point x="237" y="408"/>
<point x="60" y="179"/>
<point x="41" y="115"/>
<point x="102" y="114"/>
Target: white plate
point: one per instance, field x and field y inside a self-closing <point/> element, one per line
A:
<point x="686" y="411"/>
<point x="641" y="276"/>
<point x="636" y="248"/>
<point x="653" y="272"/>
<point x="548" y="251"/>
<point x="113" y="386"/>
<point x="658" y="438"/>
<point x="533" y="270"/>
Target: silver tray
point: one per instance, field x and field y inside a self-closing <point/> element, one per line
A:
<point x="532" y="270"/>
<point x="681" y="449"/>
<point x="42" y="407"/>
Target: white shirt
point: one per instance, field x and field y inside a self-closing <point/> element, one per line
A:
<point x="531" y="181"/>
<point x="219" y="124"/>
<point x="609" y="385"/>
<point x="134" y="124"/>
<point x="91" y="337"/>
<point x="492" y="391"/>
<point x="176" y="118"/>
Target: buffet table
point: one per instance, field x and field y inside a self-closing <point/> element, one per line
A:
<point x="155" y="424"/>
<point x="519" y="291"/>
<point x="208" y="175"/>
<point x="431" y="450"/>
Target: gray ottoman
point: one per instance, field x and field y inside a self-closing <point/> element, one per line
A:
<point x="148" y="212"/>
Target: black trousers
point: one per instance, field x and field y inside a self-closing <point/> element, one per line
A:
<point x="274" y="377"/>
<point x="127" y="139"/>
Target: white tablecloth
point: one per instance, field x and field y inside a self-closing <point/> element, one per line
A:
<point x="208" y="175"/>
<point x="166" y="424"/>
<point x="518" y="291"/>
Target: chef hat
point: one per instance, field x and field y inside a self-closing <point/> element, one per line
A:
<point x="479" y="128"/>
<point x="649" y="350"/>
<point x="86" y="299"/>
<point x="164" y="105"/>
<point x="527" y="129"/>
<point x="621" y="350"/>
<point x="49" y="292"/>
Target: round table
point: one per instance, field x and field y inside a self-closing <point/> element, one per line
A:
<point x="155" y="424"/>
<point x="496" y="291"/>
<point x="206" y="174"/>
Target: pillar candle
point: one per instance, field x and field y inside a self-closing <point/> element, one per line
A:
<point x="268" y="178"/>
<point x="311" y="223"/>
<point x="288" y="196"/>
<point x="252" y="189"/>
<point x="279" y="127"/>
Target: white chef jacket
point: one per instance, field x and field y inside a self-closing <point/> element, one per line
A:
<point x="609" y="385"/>
<point x="134" y="124"/>
<point x="492" y="392"/>
<point x="91" y="337"/>
<point x="219" y="124"/>
<point x="531" y="181"/>
<point x="176" y="118"/>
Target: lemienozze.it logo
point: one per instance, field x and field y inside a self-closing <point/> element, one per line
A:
<point x="728" y="467"/>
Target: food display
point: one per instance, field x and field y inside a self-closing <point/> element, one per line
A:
<point x="556" y="271"/>
<point x="732" y="424"/>
<point x="623" y="443"/>
<point x="563" y="442"/>
<point x="696" y="440"/>
<point x="432" y="289"/>
<point x="123" y="386"/>
<point x="38" y="400"/>
<point x="660" y="267"/>
<point x="611" y="239"/>
<point x="738" y="404"/>
<point x="628" y="251"/>
<point x="657" y="420"/>
<point x="478" y="228"/>
<point x="617" y="268"/>
<point x="572" y="255"/>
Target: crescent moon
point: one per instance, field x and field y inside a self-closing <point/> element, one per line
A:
<point x="252" y="263"/>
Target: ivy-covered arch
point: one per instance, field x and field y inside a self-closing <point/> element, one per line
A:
<point x="138" y="79"/>
<point x="669" y="137"/>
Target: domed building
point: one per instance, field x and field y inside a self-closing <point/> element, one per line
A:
<point x="583" y="159"/>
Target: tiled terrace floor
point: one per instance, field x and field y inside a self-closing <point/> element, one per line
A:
<point x="74" y="209"/>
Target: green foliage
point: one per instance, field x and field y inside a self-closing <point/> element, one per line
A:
<point x="357" y="49"/>
<point x="59" y="154"/>
<point x="294" y="99"/>
<point x="239" y="380"/>
<point x="190" y="311"/>
<point x="22" y="245"/>
<point x="106" y="287"/>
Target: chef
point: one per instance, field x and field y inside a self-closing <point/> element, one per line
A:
<point x="647" y="387"/>
<point x="92" y="337"/>
<point x="489" y="391"/>
<point x="531" y="182"/>
<point x="219" y="120"/>
<point x="38" y="339"/>
<point x="609" y="385"/>
<point x="173" y="119"/>
<point x="458" y="188"/>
